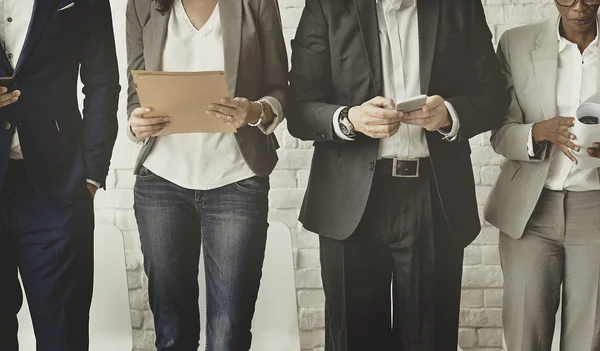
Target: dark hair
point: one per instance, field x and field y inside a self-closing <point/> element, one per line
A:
<point x="164" y="5"/>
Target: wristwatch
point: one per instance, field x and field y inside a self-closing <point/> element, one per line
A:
<point x="346" y="126"/>
<point x="262" y="115"/>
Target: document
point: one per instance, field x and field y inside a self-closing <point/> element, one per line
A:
<point x="587" y="131"/>
<point x="184" y="98"/>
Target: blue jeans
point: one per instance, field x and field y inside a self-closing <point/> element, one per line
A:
<point x="231" y="222"/>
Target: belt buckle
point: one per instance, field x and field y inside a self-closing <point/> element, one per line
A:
<point x="396" y="161"/>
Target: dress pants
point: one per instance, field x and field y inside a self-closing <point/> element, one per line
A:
<point x="560" y="245"/>
<point x="402" y="257"/>
<point x="51" y="245"/>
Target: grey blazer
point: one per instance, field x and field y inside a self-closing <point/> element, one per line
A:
<point x="255" y="62"/>
<point x="529" y="59"/>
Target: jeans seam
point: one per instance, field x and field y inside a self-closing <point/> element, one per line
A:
<point x="250" y="191"/>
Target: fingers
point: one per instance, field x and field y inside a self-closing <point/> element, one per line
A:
<point x="566" y="121"/>
<point x="237" y="103"/>
<point x="223" y="109"/>
<point x="567" y="153"/>
<point x="382" y="113"/>
<point x="382" y="102"/>
<point x="561" y="139"/>
<point x="236" y="122"/>
<point x="594" y="151"/>
<point x="432" y="103"/>
<point x="381" y="131"/>
<point x="9" y="98"/>
<point x="144" y="127"/>
<point x="143" y="132"/>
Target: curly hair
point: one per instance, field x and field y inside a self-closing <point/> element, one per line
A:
<point x="164" y="5"/>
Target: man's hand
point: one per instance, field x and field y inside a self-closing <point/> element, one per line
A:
<point x="8" y="98"/>
<point x="433" y="116"/>
<point x="556" y="131"/>
<point x="594" y="151"/>
<point x="92" y="188"/>
<point x="376" y="118"/>
<point x="144" y="127"/>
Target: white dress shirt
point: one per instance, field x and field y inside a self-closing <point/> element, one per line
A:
<point x="399" y="37"/>
<point x="14" y="24"/>
<point x="577" y="80"/>
<point x="199" y="161"/>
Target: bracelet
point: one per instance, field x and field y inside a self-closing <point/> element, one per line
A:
<point x="261" y="117"/>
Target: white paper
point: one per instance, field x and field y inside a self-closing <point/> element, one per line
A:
<point x="587" y="134"/>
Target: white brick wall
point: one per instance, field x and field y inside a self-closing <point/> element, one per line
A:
<point x="480" y="317"/>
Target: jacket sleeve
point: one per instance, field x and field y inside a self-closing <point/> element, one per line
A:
<point x="135" y="58"/>
<point x="483" y="107"/>
<point x="310" y="114"/>
<point x="100" y="77"/>
<point x="510" y="140"/>
<point x="275" y="60"/>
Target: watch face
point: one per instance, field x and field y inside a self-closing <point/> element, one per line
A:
<point x="344" y="129"/>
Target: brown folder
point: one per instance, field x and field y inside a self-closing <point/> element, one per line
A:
<point x="183" y="97"/>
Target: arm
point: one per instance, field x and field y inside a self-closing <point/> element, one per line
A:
<point x="135" y="58"/>
<point x="512" y="138"/>
<point x="311" y="90"/>
<point x="275" y="61"/>
<point x="100" y="78"/>
<point x="483" y="108"/>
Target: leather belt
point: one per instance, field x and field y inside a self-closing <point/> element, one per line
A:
<point x="404" y="168"/>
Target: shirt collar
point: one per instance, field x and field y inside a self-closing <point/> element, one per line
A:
<point x="395" y="4"/>
<point x="563" y="42"/>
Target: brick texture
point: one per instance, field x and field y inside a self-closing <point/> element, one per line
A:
<point x="480" y="317"/>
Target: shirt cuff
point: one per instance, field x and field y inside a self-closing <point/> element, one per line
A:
<point x="94" y="183"/>
<point x="336" y="125"/>
<point x="530" y="148"/>
<point x="277" y="115"/>
<point x="453" y="133"/>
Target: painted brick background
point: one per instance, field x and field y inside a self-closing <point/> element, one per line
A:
<point x="480" y="317"/>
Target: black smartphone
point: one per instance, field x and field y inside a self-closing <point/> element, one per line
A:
<point x="588" y="120"/>
<point x="8" y="83"/>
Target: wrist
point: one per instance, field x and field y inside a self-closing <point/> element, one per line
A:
<point x="353" y="116"/>
<point x="535" y="134"/>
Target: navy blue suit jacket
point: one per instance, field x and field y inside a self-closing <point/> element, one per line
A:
<point x="62" y="149"/>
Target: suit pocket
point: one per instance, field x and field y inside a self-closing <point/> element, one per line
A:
<point x="510" y="168"/>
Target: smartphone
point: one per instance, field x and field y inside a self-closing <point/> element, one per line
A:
<point x="8" y="83"/>
<point x="412" y="104"/>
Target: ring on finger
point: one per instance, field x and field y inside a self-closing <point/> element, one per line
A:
<point x="230" y="118"/>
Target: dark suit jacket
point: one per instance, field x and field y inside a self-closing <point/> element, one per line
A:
<point x="336" y="61"/>
<point x="255" y="62"/>
<point x="60" y="148"/>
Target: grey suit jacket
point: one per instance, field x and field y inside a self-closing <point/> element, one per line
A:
<point x="256" y="64"/>
<point x="529" y="59"/>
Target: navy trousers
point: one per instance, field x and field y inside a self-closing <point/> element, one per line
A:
<point x="51" y="246"/>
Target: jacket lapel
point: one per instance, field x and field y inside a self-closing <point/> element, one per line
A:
<point x="41" y="14"/>
<point x="428" y="15"/>
<point x="5" y="61"/>
<point x="366" y="11"/>
<point x="231" y="13"/>
<point x="154" y="39"/>
<point x="545" y="64"/>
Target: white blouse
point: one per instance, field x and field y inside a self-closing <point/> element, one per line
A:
<point x="196" y="161"/>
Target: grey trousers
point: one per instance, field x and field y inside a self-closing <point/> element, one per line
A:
<point x="561" y="245"/>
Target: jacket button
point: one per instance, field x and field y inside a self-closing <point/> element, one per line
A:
<point x="323" y="135"/>
<point x="7" y="125"/>
<point x="372" y="166"/>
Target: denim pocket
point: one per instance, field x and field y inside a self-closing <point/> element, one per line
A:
<point x="145" y="174"/>
<point x="254" y="185"/>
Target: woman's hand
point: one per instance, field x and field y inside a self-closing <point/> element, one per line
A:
<point x="556" y="131"/>
<point x="238" y="112"/>
<point x="144" y="127"/>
